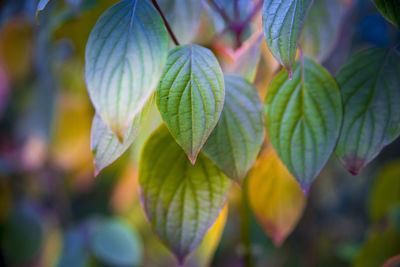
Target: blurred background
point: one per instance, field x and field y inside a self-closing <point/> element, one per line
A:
<point x="53" y="212"/>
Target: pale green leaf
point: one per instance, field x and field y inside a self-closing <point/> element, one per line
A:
<point x="321" y="28"/>
<point x="105" y="145"/>
<point x="114" y="242"/>
<point x="183" y="17"/>
<point x="390" y="9"/>
<point x="190" y="96"/>
<point x="370" y="86"/>
<point x="303" y="118"/>
<point x="125" y="55"/>
<point x="282" y="23"/>
<point x="181" y="200"/>
<point x="236" y="140"/>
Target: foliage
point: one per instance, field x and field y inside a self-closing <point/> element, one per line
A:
<point x="195" y="111"/>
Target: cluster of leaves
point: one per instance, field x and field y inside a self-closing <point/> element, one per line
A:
<point x="214" y="122"/>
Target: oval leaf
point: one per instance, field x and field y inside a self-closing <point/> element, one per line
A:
<point x="115" y="243"/>
<point x="275" y="197"/>
<point x="235" y="142"/>
<point x="190" y="96"/>
<point x="321" y="28"/>
<point x="303" y="118"/>
<point x="125" y="55"/>
<point x="390" y="9"/>
<point x="105" y="145"/>
<point x="370" y="86"/>
<point x="183" y="17"/>
<point x="181" y="201"/>
<point x="282" y="23"/>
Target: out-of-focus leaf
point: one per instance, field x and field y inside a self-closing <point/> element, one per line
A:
<point x="321" y="28"/>
<point x="16" y="51"/>
<point x="390" y="9"/>
<point x="235" y="142"/>
<point x="275" y="197"/>
<point x="183" y="16"/>
<point x="370" y="87"/>
<point x="392" y="262"/>
<point x="378" y="248"/>
<point x="190" y="96"/>
<point x="4" y="89"/>
<point x="74" y="251"/>
<point x="41" y="6"/>
<point x="282" y="22"/>
<point x="105" y="145"/>
<point x="125" y="55"/>
<point x="181" y="201"/>
<point x="115" y="243"/>
<point x="394" y="215"/>
<point x="203" y="254"/>
<point x="386" y="191"/>
<point x="303" y="118"/>
<point x="22" y="236"/>
<point x="244" y="60"/>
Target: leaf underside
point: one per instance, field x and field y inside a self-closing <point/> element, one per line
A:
<point x="125" y="55"/>
<point x="303" y="119"/>
<point x="181" y="200"/>
<point x="370" y="87"/>
<point x="282" y="23"/>
<point x="236" y="140"/>
<point x="190" y="96"/>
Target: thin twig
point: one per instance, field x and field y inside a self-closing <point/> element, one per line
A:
<point x="221" y="11"/>
<point x="171" y="33"/>
<point x="257" y="7"/>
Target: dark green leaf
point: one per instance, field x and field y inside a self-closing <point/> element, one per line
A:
<point x="125" y="55"/>
<point x="390" y="9"/>
<point x="236" y="140"/>
<point x="181" y="200"/>
<point x="370" y="86"/>
<point x="321" y="28"/>
<point x="190" y="96"/>
<point x="282" y="22"/>
<point x="303" y="118"/>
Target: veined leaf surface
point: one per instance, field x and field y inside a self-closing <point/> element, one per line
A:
<point x="370" y="86"/>
<point x="183" y="16"/>
<point x="303" y="118"/>
<point x="125" y="55"/>
<point x="190" y="96"/>
<point x="275" y="197"/>
<point x="181" y="200"/>
<point x="282" y="23"/>
<point x="390" y="9"/>
<point x="105" y="145"/>
<point x="236" y="140"/>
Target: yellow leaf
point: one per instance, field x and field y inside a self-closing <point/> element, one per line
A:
<point x="275" y="197"/>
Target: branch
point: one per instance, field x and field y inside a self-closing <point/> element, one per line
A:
<point x="257" y="7"/>
<point x="171" y="33"/>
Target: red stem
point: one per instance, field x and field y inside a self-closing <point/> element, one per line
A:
<point x="171" y="33"/>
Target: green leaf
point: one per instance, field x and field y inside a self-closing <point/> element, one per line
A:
<point x="105" y="145"/>
<point x="386" y="191"/>
<point x="303" y="118"/>
<point x="236" y="140"/>
<point x="181" y="200"/>
<point x="183" y="17"/>
<point x="370" y="86"/>
<point x="390" y="9"/>
<point x="115" y="243"/>
<point x="125" y="55"/>
<point x="321" y="28"/>
<point x="282" y="23"/>
<point x="190" y="96"/>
